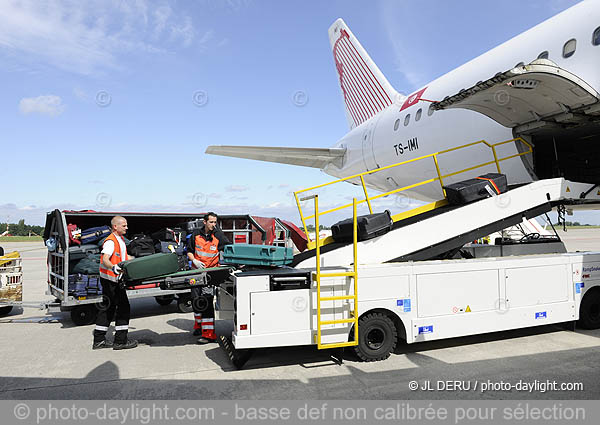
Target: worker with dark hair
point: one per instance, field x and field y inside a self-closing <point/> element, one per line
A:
<point x="203" y="250"/>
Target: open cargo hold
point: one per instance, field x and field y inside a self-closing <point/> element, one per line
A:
<point x="60" y="261"/>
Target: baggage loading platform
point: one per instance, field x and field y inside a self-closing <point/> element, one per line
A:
<point x="382" y="278"/>
<point x="427" y="235"/>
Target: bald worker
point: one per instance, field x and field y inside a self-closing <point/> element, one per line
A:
<point x="114" y="297"/>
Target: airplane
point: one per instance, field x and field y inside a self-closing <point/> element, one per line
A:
<point x="540" y="88"/>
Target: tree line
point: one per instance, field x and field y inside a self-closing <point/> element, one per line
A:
<point x="21" y="229"/>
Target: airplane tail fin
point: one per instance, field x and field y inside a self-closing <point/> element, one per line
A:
<point x="365" y="90"/>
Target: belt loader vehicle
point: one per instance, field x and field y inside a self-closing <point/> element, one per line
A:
<point x="408" y="283"/>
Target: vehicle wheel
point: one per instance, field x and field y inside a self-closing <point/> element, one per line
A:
<point x="5" y="310"/>
<point x="184" y="303"/>
<point x="589" y="310"/>
<point x="165" y="299"/>
<point x="377" y="337"/>
<point x="84" y="314"/>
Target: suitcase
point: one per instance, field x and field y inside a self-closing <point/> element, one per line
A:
<point x="471" y="190"/>
<point x="164" y="247"/>
<point x="74" y="233"/>
<point x="88" y="265"/>
<point x="94" y="234"/>
<point x="369" y="226"/>
<point x="175" y="234"/>
<point x="257" y="255"/>
<point x="81" y="251"/>
<point x="194" y="224"/>
<point x="141" y="246"/>
<point x="81" y="285"/>
<point x="149" y="266"/>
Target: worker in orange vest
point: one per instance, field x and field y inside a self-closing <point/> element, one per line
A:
<point x="203" y="251"/>
<point x="114" y="297"/>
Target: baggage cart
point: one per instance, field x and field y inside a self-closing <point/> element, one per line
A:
<point x="83" y="309"/>
<point x="11" y="282"/>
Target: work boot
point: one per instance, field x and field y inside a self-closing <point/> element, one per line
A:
<point x="197" y="332"/>
<point x="131" y="343"/>
<point x="102" y="344"/>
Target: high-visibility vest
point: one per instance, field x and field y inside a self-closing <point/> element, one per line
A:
<point x="207" y="251"/>
<point x="116" y="257"/>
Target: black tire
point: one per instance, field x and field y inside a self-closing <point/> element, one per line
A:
<point x="84" y="314"/>
<point x="184" y="303"/>
<point x="377" y="337"/>
<point x="165" y="299"/>
<point x="5" y="310"/>
<point x="589" y="310"/>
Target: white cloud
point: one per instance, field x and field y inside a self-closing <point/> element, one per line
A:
<point x="236" y="188"/>
<point x="50" y="105"/>
<point x="92" y="36"/>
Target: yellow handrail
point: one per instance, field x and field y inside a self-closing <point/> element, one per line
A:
<point x="439" y="178"/>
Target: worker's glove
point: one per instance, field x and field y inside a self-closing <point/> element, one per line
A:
<point x="198" y="264"/>
<point x="116" y="269"/>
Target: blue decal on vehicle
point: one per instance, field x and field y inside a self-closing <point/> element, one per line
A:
<point x="399" y="303"/>
<point x="578" y="287"/>
<point x="407" y="305"/>
<point x="541" y="315"/>
<point x="426" y="329"/>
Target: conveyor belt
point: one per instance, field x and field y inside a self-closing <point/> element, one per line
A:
<point x="436" y="232"/>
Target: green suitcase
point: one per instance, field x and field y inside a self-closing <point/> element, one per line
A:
<point x="149" y="266"/>
<point x="257" y="255"/>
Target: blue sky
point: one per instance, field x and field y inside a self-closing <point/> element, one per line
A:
<point x="109" y="105"/>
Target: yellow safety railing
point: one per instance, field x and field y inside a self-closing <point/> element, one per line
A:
<point x="318" y="275"/>
<point x="414" y="211"/>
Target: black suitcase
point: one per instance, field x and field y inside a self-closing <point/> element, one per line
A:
<point x="81" y="251"/>
<point x="166" y="234"/>
<point x="141" y="246"/>
<point x="369" y="226"/>
<point x="475" y="189"/>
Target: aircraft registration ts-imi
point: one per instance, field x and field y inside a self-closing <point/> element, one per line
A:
<point x="538" y="92"/>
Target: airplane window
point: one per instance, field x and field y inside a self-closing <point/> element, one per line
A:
<point x="418" y="114"/>
<point x="569" y="48"/>
<point x="406" y="120"/>
<point x="397" y="124"/>
<point x="596" y="37"/>
<point x="430" y="111"/>
<point x="543" y="55"/>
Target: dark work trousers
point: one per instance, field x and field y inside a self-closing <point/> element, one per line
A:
<point x="114" y="300"/>
<point x="202" y="302"/>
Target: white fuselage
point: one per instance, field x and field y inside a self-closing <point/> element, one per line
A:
<point x="379" y="141"/>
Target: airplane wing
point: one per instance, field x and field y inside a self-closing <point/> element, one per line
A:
<point x="529" y="97"/>
<point x="306" y="157"/>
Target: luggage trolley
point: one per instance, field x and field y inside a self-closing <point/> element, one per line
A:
<point x="83" y="307"/>
<point x="11" y="282"/>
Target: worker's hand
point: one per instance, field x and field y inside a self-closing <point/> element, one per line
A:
<point x="116" y="269"/>
<point x="198" y="264"/>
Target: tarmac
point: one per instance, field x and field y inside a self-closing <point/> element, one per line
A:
<point x="45" y="356"/>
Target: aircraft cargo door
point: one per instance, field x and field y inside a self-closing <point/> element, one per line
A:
<point x="556" y="110"/>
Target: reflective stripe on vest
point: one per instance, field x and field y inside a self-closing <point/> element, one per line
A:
<point x="206" y="251"/>
<point x="115" y="258"/>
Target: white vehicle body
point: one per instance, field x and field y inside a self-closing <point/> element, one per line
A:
<point x="427" y="300"/>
